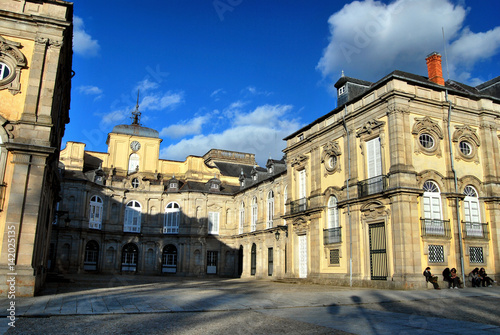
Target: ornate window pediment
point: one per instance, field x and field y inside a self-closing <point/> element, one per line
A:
<point x="427" y="136"/>
<point x="370" y="127"/>
<point x="330" y="157"/>
<point x="466" y="144"/>
<point x="299" y="162"/>
<point x="11" y="62"/>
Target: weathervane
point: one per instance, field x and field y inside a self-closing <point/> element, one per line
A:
<point x="136" y="115"/>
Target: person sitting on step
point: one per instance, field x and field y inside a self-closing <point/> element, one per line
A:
<point x="430" y="278"/>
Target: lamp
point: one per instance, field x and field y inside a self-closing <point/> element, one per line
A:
<point x="277" y="235"/>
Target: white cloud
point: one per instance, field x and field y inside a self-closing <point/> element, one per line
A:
<point x="264" y="139"/>
<point x="146" y="85"/>
<point x="114" y="117"/>
<point x="161" y="101"/>
<point x="217" y="93"/>
<point x="89" y="90"/>
<point x="369" y="39"/>
<point x="185" y="128"/>
<point x="254" y="91"/>
<point x="83" y="43"/>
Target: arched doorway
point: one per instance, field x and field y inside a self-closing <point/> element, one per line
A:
<point x="130" y="255"/>
<point x="91" y="256"/>
<point x="240" y="261"/>
<point x="169" y="259"/>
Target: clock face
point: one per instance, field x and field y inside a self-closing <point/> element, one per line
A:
<point x="135" y="145"/>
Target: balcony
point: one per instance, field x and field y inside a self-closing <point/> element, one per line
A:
<point x="298" y="206"/>
<point x="435" y="227"/>
<point x="332" y="235"/>
<point x="475" y="230"/>
<point x="372" y="186"/>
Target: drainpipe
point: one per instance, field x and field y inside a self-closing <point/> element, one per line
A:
<point x="461" y="251"/>
<point x="348" y="204"/>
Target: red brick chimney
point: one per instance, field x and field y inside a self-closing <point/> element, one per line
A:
<point x="434" y="68"/>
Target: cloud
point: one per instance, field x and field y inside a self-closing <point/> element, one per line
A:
<point x="83" y="44"/>
<point x="217" y="93"/>
<point x="254" y="91"/>
<point x="114" y="117"/>
<point x="146" y="85"/>
<point x="89" y="90"/>
<point x="161" y="101"/>
<point x="264" y="139"/>
<point x="185" y="128"/>
<point x="369" y="39"/>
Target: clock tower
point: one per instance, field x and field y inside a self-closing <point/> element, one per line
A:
<point x="133" y="148"/>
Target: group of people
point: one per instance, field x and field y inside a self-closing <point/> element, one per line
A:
<point x="477" y="277"/>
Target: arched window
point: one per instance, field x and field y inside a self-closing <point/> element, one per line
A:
<point x="172" y="218"/>
<point x="333" y="213"/>
<point x="242" y="217"/>
<point x="432" y="209"/>
<point x="253" y="260"/>
<point x="253" y="226"/>
<point x="270" y="209"/>
<point x="91" y="256"/>
<point x="473" y="225"/>
<point x="130" y="254"/>
<point x="169" y="259"/>
<point x="95" y="216"/>
<point x="133" y="163"/>
<point x="132" y="221"/>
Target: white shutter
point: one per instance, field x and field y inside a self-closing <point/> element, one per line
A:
<point x="374" y="159"/>
<point x="302" y="184"/>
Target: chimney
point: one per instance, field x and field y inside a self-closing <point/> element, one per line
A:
<point x="434" y="68"/>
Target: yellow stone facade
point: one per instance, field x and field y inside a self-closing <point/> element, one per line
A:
<point x="35" y="61"/>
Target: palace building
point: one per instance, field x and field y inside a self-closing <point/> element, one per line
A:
<point x="402" y="175"/>
<point x="35" y="85"/>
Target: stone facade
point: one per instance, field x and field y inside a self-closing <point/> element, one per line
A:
<point x="35" y="61"/>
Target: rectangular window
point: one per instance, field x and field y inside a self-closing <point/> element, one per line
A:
<point x="436" y="254"/>
<point x="342" y="90"/>
<point x="334" y="257"/>
<point x="476" y="255"/>
<point x="270" y="261"/>
<point x="213" y="223"/>
<point x="302" y="184"/>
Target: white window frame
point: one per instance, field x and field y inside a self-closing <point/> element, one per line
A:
<point x="95" y="212"/>
<point x="472" y="213"/>
<point x="242" y="218"/>
<point x="213" y="223"/>
<point x="285" y="199"/>
<point x="172" y="218"/>
<point x="132" y="217"/>
<point x="333" y="213"/>
<point x="432" y="208"/>
<point x="373" y="158"/>
<point x="302" y="184"/>
<point x="270" y="208"/>
<point x="255" y="212"/>
<point x="133" y="162"/>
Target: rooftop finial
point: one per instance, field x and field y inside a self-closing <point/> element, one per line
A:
<point x="342" y="75"/>
<point x="136" y="115"/>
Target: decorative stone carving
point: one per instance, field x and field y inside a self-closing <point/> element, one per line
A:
<point x="426" y="127"/>
<point x="15" y="60"/>
<point x="370" y="127"/>
<point x="299" y="162"/>
<point x="374" y="210"/>
<point x="466" y="144"/>
<point x="330" y="157"/>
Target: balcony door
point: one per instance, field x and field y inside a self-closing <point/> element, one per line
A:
<point x="374" y="166"/>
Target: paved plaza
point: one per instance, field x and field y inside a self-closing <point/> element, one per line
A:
<point x="157" y="305"/>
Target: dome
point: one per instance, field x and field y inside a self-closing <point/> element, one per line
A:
<point x="135" y="130"/>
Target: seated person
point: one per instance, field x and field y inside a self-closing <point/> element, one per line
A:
<point x="447" y="277"/>
<point x="430" y="278"/>
<point x="485" y="280"/>
<point x="454" y="278"/>
<point x="474" y="278"/>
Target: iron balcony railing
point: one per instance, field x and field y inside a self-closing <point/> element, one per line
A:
<point x="332" y="235"/>
<point x="298" y="206"/>
<point x="435" y="227"/>
<point x="475" y="230"/>
<point x="371" y="186"/>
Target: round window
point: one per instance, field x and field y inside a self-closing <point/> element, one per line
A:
<point x="135" y="183"/>
<point x="426" y="141"/>
<point x="332" y="161"/>
<point x="4" y="71"/>
<point x="465" y="148"/>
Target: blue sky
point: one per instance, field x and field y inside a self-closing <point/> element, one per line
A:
<point x="241" y="75"/>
